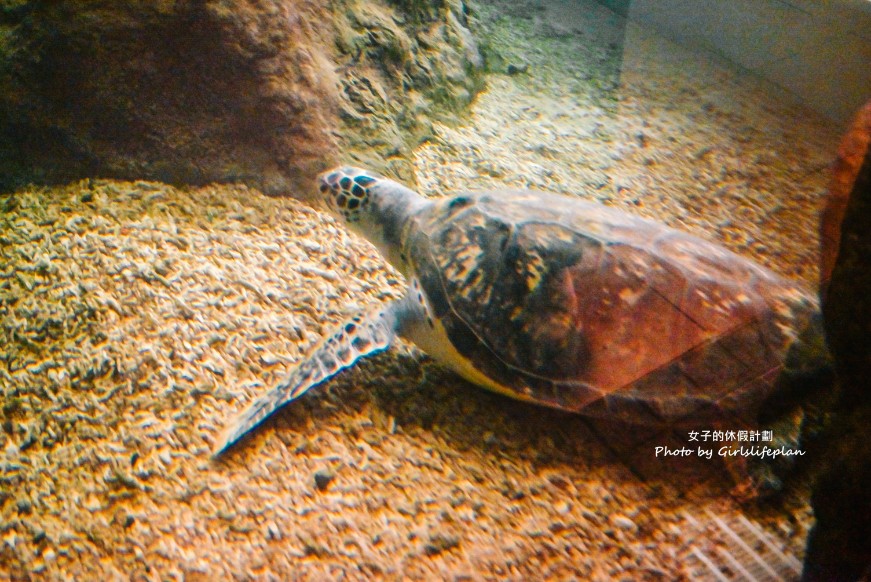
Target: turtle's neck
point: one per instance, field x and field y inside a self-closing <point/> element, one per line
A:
<point x="391" y="207"/>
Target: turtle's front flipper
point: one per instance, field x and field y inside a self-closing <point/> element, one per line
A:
<point x="363" y="335"/>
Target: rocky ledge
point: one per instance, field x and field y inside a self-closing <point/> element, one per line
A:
<point x="260" y="91"/>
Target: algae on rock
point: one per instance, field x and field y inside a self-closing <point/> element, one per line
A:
<point x="264" y="92"/>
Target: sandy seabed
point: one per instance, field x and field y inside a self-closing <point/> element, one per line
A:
<point x="138" y="318"/>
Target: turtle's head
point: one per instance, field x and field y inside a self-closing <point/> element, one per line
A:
<point x="375" y="207"/>
<point x="346" y="192"/>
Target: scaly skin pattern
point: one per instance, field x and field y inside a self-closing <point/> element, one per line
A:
<point x="362" y="335"/>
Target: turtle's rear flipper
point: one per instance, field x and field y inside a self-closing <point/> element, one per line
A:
<point x="363" y="335"/>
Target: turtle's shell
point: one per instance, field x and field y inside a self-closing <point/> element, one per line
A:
<point x="586" y="308"/>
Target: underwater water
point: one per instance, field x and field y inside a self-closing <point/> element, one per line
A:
<point x="139" y="318"/>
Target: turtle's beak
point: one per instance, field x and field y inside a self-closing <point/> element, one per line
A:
<point x="325" y="197"/>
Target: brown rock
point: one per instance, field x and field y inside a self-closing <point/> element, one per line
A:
<point x="838" y="546"/>
<point x="846" y="167"/>
<point x="262" y="91"/>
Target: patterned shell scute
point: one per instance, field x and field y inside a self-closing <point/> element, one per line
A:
<point x="580" y="306"/>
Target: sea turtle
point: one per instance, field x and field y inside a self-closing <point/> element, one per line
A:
<point x="560" y="302"/>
